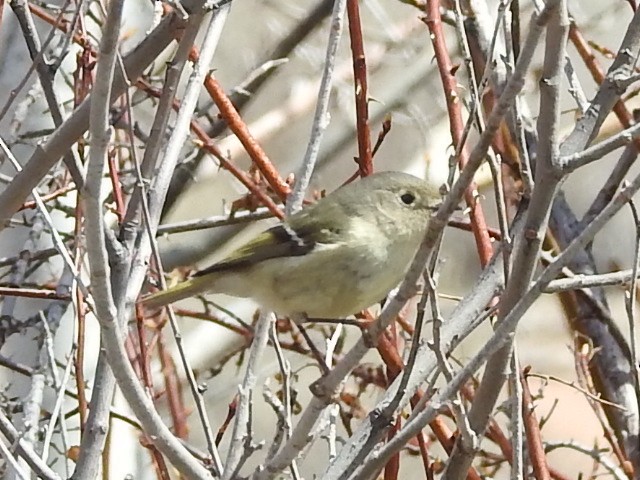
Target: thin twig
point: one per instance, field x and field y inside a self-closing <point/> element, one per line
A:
<point x="596" y="152"/>
<point x="516" y="425"/>
<point x="578" y="282"/>
<point x="216" y="221"/>
<point x="365" y="159"/>
<point x="585" y="392"/>
<point x="242" y="430"/>
<point x="598" y="456"/>
<point x="25" y="450"/>
<point x="237" y="126"/>
<point x="535" y="449"/>
<point x="631" y="295"/>
<point x="47" y="154"/>
<point x="287" y="394"/>
<point x="98" y="258"/>
<point x="320" y="117"/>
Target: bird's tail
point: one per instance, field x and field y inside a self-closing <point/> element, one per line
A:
<point x="180" y="291"/>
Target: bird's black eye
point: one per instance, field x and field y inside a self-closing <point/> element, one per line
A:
<point x="408" y="198"/>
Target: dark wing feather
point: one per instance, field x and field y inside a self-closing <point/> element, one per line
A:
<point x="297" y="236"/>
<point x="279" y="241"/>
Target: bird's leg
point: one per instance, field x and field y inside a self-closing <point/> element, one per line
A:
<point x="314" y="350"/>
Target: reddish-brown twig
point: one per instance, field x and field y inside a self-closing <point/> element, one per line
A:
<point x="159" y="463"/>
<point x="173" y="390"/>
<point x="183" y="312"/>
<point x="60" y="192"/>
<point x="114" y="176"/>
<point x="456" y="125"/>
<point x="81" y="323"/>
<point x="62" y="24"/>
<point x="463" y="225"/>
<point x="386" y="128"/>
<point x="32" y="293"/>
<point x="229" y="113"/>
<point x="365" y="158"/>
<point x="231" y="412"/>
<point x="532" y="430"/>
<point x="392" y="468"/>
<point x="143" y="354"/>
<point x="393" y="360"/>
<point x="208" y="144"/>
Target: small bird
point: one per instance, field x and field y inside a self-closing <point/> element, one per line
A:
<point x="330" y="260"/>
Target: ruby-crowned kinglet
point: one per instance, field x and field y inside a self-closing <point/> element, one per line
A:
<point x="331" y="259"/>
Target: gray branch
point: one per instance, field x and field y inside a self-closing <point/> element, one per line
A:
<point x="63" y="138"/>
<point x="106" y="311"/>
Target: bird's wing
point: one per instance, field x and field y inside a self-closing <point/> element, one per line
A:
<point x="283" y="240"/>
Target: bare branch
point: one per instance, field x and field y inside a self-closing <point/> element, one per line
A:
<point x="242" y="431"/>
<point x="25" y="450"/>
<point x="105" y="306"/>
<point x="320" y="118"/>
<point x="46" y="155"/>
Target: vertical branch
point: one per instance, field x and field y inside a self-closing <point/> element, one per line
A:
<point x="50" y="323"/>
<point x="516" y="422"/>
<point x="61" y="140"/>
<point x="240" y="446"/>
<point x="527" y="251"/>
<point x="98" y="260"/>
<point x="78" y="358"/>
<point x="365" y="160"/>
<point x="456" y="126"/>
<point x="60" y="386"/>
<point x="321" y="115"/>
<point x="534" y="436"/>
<point x="116" y="187"/>
<point x="631" y="295"/>
<point x="162" y="178"/>
<point x="96" y="428"/>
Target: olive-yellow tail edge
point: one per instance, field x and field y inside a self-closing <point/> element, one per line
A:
<point x="181" y="291"/>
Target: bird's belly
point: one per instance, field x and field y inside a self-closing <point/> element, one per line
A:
<point x="330" y="284"/>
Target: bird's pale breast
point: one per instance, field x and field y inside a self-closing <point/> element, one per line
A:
<point x="336" y="280"/>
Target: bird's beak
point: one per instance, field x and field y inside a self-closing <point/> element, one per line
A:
<point x="436" y="207"/>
